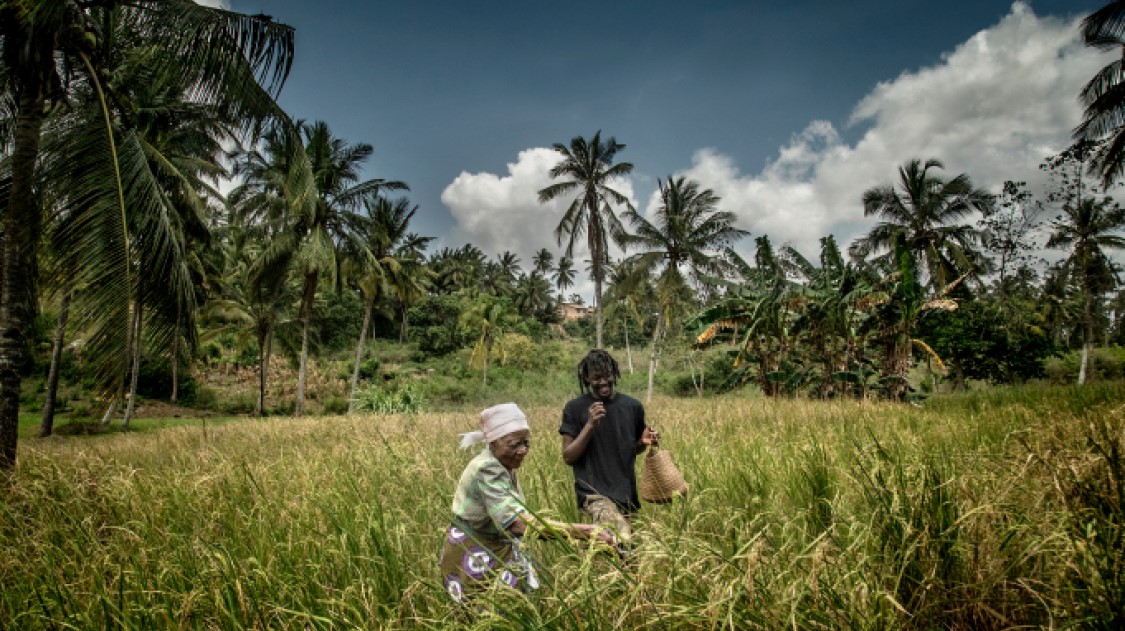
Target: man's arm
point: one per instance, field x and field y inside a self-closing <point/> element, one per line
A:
<point x="649" y="435"/>
<point x="574" y="447"/>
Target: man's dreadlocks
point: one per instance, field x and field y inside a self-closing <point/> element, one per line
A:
<point x="596" y="362"/>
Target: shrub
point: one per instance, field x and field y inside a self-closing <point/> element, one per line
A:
<point x="446" y="390"/>
<point x="155" y="380"/>
<point x="405" y="398"/>
<point x="238" y="404"/>
<point x="205" y="398"/>
<point x="518" y="350"/>
<point x="336" y="405"/>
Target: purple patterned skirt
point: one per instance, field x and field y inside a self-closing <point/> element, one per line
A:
<point x="471" y="563"/>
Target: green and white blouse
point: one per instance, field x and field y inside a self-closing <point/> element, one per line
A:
<point x="488" y="497"/>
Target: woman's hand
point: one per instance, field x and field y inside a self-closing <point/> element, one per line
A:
<point x="650" y="437"/>
<point x="597" y="533"/>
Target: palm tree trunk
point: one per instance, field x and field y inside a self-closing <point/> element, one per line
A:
<point x="652" y="357"/>
<point x="597" y="310"/>
<point x="15" y="278"/>
<point x="259" y="404"/>
<point x="368" y="308"/>
<point x="487" y="352"/>
<point x="111" y="409"/>
<point x="628" y="349"/>
<point x="176" y="360"/>
<point x="1087" y="338"/>
<point x="698" y="384"/>
<point x="306" y="317"/>
<point x="1085" y="358"/>
<point x="131" y="406"/>
<point x="264" y="371"/>
<point x="46" y="426"/>
<point x="402" y="328"/>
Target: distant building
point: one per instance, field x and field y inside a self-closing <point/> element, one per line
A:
<point x="574" y="311"/>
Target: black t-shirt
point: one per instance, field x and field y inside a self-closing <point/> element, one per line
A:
<point x="607" y="466"/>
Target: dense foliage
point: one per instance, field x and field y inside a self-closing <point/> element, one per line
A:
<point x="308" y="262"/>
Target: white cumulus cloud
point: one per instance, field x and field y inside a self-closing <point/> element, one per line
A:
<point x="502" y="213"/>
<point x="993" y="108"/>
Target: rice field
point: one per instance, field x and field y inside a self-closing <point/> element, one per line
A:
<point x="999" y="509"/>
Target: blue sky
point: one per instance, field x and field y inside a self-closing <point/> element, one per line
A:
<point x="788" y="110"/>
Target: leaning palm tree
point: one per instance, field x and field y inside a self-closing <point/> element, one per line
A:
<point x="1103" y="96"/>
<point x="51" y="48"/>
<point x="1088" y="229"/>
<point x="182" y="145"/>
<point x="589" y="169"/>
<point x="925" y="212"/>
<point x="382" y="273"/>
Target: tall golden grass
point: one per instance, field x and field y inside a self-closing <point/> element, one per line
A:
<point x="994" y="510"/>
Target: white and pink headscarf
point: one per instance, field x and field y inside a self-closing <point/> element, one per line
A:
<point x="496" y="421"/>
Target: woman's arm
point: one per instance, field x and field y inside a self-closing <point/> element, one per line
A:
<point x="551" y="529"/>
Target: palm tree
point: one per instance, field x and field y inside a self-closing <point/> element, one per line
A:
<point x="543" y="261"/>
<point x="924" y="213"/>
<point x="332" y="222"/>
<point x="532" y="296"/>
<point x="182" y="145"/>
<point x="1103" y="96"/>
<point x="500" y="276"/>
<point x="458" y="270"/>
<point x="382" y="273"/>
<point x="589" y="168"/>
<point x="564" y="274"/>
<point x="318" y="213"/>
<point x="416" y="278"/>
<point x="629" y="294"/>
<point x="490" y="315"/>
<point x="51" y="46"/>
<point x="689" y="234"/>
<point x="509" y="266"/>
<point x="252" y="300"/>
<point x="1087" y="230"/>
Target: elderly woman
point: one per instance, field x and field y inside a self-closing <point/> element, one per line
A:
<point x="490" y="515"/>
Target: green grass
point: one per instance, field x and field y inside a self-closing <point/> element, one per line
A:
<point x="989" y="510"/>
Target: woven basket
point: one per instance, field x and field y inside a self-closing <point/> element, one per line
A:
<point x="661" y="481"/>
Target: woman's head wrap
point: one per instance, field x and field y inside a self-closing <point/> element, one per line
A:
<point x="496" y="421"/>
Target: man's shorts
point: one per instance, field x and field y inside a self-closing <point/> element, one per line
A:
<point x="602" y="510"/>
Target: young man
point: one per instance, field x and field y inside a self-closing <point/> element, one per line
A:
<point x="602" y="433"/>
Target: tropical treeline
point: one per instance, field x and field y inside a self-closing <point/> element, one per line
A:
<point x="121" y="121"/>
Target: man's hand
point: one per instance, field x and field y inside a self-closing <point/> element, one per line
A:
<point x="650" y="437"/>
<point x="596" y="413"/>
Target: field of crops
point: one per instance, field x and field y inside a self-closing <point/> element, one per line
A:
<point x="989" y="510"/>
